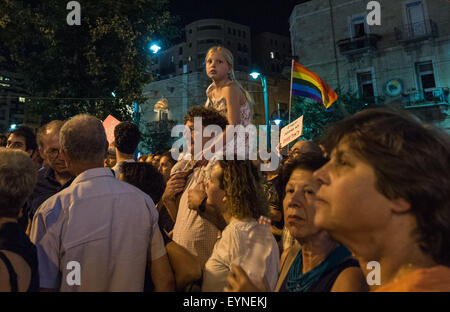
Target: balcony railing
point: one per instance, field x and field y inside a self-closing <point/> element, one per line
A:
<point x="429" y="97"/>
<point x="416" y="31"/>
<point x="357" y="45"/>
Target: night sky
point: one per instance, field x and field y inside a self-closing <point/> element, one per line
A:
<point x="259" y="15"/>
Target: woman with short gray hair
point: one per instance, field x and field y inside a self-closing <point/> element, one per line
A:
<point x="18" y="258"/>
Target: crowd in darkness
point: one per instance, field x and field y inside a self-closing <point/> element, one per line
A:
<point x="80" y="214"/>
<point x="374" y="188"/>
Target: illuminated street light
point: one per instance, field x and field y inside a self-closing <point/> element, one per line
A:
<point x="277" y="121"/>
<point x="255" y="75"/>
<point x="13" y="127"/>
<point x="154" y="47"/>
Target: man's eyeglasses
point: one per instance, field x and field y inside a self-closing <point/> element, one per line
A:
<point x="15" y="145"/>
<point x="52" y="153"/>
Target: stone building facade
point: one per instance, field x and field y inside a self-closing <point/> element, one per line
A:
<point x="404" y="62"/>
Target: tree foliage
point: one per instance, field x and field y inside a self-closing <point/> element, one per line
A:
<point x="107" y="52"/>
<point x="157" y="136"/>
<point x="316" y="118"/>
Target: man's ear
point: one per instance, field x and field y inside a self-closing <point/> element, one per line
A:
<point x="400" y="206"/>
<point x="65" y="157"/>
<point x="41" y="152"/>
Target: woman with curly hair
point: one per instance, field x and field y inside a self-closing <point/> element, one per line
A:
<point x="235" y="191"/>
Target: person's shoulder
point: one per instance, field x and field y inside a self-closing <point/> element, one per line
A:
<point x="232" y="86"/>
<point x="53" y="202"/>
<point x="135" y="192"/>
<point x="350" y="279"/>
<point x="237" y="229"/>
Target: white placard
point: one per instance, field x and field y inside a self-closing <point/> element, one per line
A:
<point x="291" y="132"/>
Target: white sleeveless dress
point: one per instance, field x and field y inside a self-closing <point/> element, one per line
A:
<point x="246" y="117"/>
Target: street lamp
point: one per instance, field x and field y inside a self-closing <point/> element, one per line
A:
<point x="255" y="75"/>
<point x="155" y="47"/>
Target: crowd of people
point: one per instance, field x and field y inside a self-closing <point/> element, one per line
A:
<point x="78" y="213"/>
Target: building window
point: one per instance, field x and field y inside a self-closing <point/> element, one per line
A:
<point x="209" y="27"/>
<point x="245" y="49"/>
<point x="416" y="18"/>
<point x="358" y="26"/>
<point x="171" y="59"/>
<point x="366" y="87"/>
<point x="234" y="32"/>
<point x="190" y="59"/>
<point x="180" y="64"/>
<point x="243" y="34"/>
<point x="272" y="55"/>
<point x="239" y="33"/>
<point x="190" y="44"/>
<point x="163" y="115"/>
<point x="229" y="30"/>
<point x="190" y="31"/>
<point x="207" y="41"/>
<point x="239" y="47"/>
<point x="180" y="52"/>
<point x="425" y="75"/>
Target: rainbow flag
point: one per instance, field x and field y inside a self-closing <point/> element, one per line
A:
<point x="308" y="84"/>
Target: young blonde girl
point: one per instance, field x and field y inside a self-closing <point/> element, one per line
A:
<point x="225" y="93"/>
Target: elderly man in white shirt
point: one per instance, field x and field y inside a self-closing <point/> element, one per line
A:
<point x="99" y="234"/>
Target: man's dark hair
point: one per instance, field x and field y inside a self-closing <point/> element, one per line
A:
<point x="126" y="137"/>
<point x="411" y="161"/>
<point x="3" y="140"/>
<point x="145" y="177"/>
<point x="28" y="134"/>
<point x="210" y="116"/>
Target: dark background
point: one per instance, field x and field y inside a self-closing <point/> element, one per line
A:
<point x="260" y="16"/>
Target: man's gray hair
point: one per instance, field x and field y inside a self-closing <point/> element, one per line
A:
<point x="55" y="125"/>
<point x="18" y="176"/>
<point x="83" y="138"/>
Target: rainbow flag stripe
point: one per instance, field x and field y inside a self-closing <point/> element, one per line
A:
<point x="308" y="84"/>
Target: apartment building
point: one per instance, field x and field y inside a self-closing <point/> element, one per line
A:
<point x="403" y="63"/>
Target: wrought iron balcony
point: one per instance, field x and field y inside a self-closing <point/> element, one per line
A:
<point x="362" y="44"/>
<point x="427" y="98"/>
<point x="416" y="31"/>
